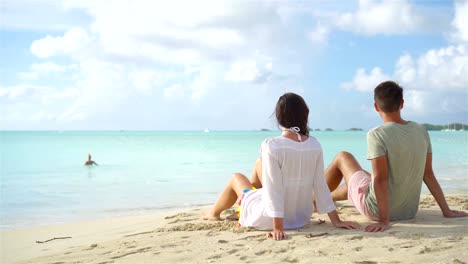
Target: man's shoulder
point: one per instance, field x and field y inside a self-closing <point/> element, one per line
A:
<point x="418" y="126"/>
<point x="376" y="130"/>
<point x="411" y="125"/>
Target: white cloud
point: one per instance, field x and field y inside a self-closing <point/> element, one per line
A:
<point x="39" y="94"/>
<point x="319" y="35"/>
<point x="21" y="90"/>
<point x="442" y="69"/>
<point x="174" y="92"/>
<point x="206" y="81"/>
<point x="41" y="116"/>
<point x="366" y="82"/>
<point x="38" y="69"/>
<point x="423" y="103"/>
<point x="436" y="81"/>
<point x="249" y="71"/>
<point x="138" y="39"/>
<point x="417" y="101"/>
<point x="193" y="55"/>
<point x="405" y="69"/>
<point x="387" y="17"/>
<point x="460" y="22"/>
<point x="26" y="102"/>
<point x="72" y="41"/>
<point x="47" y="67"/>
<point x="64" y="95"/>
<point x="102" y="86"/>
<point x="28" y="75"/>
<point x="164" y="32"/>
<point x="143" y="80"/>
<point x="374" y="17"/>
<point x="41" y="15"/>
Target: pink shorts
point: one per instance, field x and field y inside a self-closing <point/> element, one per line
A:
<point x="357" y="187"/>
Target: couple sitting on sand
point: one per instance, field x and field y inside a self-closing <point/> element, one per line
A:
<point x="289" y="178"/>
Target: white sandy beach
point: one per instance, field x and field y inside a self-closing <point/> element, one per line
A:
<point x="181" y="237"/>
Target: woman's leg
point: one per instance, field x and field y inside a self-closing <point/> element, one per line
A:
<point x="228" y="197"/>
<point x="257" y="174"/>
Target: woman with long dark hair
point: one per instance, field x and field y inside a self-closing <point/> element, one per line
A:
<point x="292" y="173"/>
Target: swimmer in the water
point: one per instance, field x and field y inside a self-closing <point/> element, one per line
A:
<point x="89" y="161"/>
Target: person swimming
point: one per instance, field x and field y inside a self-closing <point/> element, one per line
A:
<point x="90" y="162"/>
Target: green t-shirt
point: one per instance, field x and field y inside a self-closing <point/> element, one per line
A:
<point x="406" y="148"/>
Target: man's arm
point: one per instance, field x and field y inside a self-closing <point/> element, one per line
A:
<point x="434" y="187"/>
<point x="380" y="174"/>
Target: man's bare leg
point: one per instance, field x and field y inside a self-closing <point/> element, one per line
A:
<point x="343" y="166"/>
<point x="228" y="197"/>
<point x="257" y="174"/>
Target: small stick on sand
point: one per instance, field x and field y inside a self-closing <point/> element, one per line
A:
<point x="310" y="235"/>
<point x="37" y="241"/>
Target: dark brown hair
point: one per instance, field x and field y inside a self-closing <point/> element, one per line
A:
<point x="388" y="96"/>
<point x="292" y="111"/>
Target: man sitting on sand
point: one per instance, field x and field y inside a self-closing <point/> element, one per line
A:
<point x="89" y="161"/>
<point x="401" y="155"/>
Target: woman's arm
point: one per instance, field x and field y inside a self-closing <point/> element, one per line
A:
<point x="273" y="192"/>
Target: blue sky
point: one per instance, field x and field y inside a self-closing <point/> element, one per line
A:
<point x="190" y="65"/>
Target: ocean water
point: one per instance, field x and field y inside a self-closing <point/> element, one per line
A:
<point x="43" y="179"/>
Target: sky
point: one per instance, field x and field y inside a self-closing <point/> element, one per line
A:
<point x="221" y="65"/>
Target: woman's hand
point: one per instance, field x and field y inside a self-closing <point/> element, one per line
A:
<point x="347" y="225"/>
<point x="277" y="234"/>
<point x="278" y="229"/>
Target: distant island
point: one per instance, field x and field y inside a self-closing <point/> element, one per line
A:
<point x="429" y="127"/>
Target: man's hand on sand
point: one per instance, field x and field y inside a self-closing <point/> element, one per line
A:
<point x="347" y="225"/>
<point x="455" y="213"/>
<point x="377" y="227"/>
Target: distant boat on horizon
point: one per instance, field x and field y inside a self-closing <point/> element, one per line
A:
<point x="206" y="130"/>
<point x="448" y="129"/>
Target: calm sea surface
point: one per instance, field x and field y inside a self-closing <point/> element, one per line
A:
<point x="43" y="179"/>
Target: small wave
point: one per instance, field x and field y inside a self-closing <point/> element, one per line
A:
<point x="152" y="208"/>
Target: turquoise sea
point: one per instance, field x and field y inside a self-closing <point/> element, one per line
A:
<point x="43" y="179"/>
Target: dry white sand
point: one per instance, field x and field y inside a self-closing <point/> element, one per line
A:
<point x="181" y="237"/>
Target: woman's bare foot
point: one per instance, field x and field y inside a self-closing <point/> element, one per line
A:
<point x="211" y="217"/>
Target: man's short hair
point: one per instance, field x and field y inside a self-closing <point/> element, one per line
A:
<point x="388" y="96"/>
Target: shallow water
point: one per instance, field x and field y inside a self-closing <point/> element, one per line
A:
<point x="43" y="179"/>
